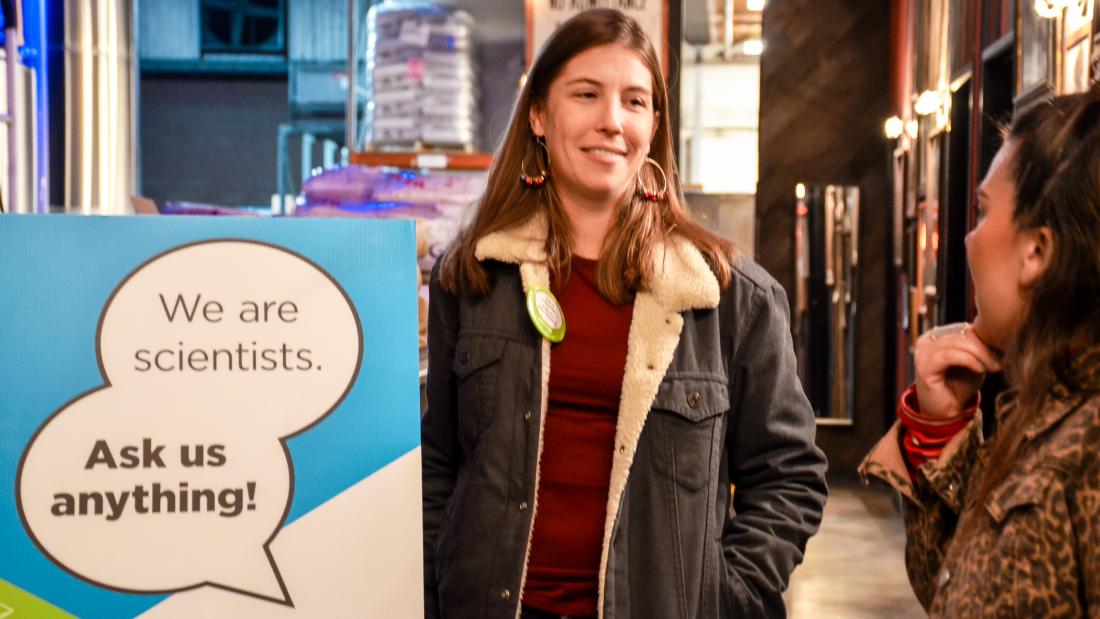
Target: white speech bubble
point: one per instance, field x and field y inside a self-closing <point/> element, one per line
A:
<point x="315" y="336"/>
<point x="175" y="473"/>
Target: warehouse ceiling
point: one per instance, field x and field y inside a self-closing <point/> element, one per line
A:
<point x="497" y="20"/>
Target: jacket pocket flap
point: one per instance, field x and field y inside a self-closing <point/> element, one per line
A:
<point x="1019" y="491"/>
<point x="475" y="352"/>
<point x="693" y="398"/>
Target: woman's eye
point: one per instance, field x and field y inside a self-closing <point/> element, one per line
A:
<point x="586" y="95"/>
<point x="638" y="102"/>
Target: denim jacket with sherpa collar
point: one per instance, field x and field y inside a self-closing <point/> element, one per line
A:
<point x="710" y="399"/>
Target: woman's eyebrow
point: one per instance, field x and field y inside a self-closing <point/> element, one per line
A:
<point x="583" y="80"/>
<point x="593" y="82"/>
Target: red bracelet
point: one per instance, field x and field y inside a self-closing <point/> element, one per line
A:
<point x="925" y="437"/>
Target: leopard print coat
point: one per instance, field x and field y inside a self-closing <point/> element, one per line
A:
<point x="1036" y="550"/>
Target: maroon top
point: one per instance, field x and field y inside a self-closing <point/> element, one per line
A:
<point x="586" y="380"/>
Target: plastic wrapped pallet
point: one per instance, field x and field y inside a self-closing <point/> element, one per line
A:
<point x="437" y="200"/>
<point x="421" y="78"/>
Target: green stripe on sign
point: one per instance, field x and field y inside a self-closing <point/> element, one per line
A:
<point x="16" y="603"/>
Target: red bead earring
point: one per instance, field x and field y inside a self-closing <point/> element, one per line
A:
<point x="539" y="179"/>
<point x="653" y="195"/>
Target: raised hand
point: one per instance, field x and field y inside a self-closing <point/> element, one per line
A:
<point x="951" y="363"/>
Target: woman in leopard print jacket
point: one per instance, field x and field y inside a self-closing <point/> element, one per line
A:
<point x="1011" y="527"/>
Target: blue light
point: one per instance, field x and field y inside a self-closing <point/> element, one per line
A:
<point x="34" y="56"/>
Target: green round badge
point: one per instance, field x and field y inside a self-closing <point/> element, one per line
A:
<point x="546" y="314"/>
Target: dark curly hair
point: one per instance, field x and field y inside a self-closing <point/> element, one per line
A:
<point x="1056" y="169"/>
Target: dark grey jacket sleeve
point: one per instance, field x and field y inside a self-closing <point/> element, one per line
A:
<point x="777" y="471"/>
<point x="439" y="451"/>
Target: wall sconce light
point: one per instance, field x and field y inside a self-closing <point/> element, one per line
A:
<point x="1050" y="9"/>
<point x="911" y="128"/>
<point x="800" y="191"/>
<point x="928" y="103"/>
<point x="893" y="128"/>
<point x="752" y="47"/>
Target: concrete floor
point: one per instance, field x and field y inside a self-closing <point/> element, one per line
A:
<point x="854" y="566"/>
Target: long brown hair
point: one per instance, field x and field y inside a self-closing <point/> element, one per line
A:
<point x="1057" y="175"/>
<point x="626" y="261"/>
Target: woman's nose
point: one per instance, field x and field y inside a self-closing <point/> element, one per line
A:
<point x="611" y="120"/>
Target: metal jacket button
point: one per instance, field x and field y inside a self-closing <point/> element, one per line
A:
<point x="527" y="415"/>
<point x="695" y="399"/>
<point x="506" y="595"/>
<point x="523" y="506"/>
<point x="943" y="577"/>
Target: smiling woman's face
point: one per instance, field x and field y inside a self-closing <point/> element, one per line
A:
<point x="598" y="121"/>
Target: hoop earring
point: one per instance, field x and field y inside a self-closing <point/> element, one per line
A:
<point x="539" y="179"/>
<point x="653" y="195"/>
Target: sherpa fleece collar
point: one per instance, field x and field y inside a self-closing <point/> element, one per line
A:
<point x="682" y="280"/>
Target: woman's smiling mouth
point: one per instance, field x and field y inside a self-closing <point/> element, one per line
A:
<point x="605" y="154"/>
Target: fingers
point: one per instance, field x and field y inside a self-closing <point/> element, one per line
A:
<point x="948" y="376"/>
<point x="938" y="363"/>
<point x="974" y="346"/>
<point x="950" y="363"/>
<point x="932" y="345"/>
<point x="955" y="328"/>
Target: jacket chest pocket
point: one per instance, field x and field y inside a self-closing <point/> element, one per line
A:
<point x="686" y="419"/>
<point x="1024" y="497"/>
<point x="1031" y="543"/>
<point x="477" y="368"/>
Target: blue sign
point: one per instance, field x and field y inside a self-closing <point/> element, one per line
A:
<point x="208" y="417"/>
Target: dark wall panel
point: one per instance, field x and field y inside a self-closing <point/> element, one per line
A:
<point x="824" y="95"/>
<point x="211" y="139"/>
<point x="502" y="64"/>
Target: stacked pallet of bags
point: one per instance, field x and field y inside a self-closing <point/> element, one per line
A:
<point x="421" y="77"/>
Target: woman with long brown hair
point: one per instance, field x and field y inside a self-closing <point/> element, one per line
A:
<point x="602" y="369"/>
<point x="1011" y="528"/>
